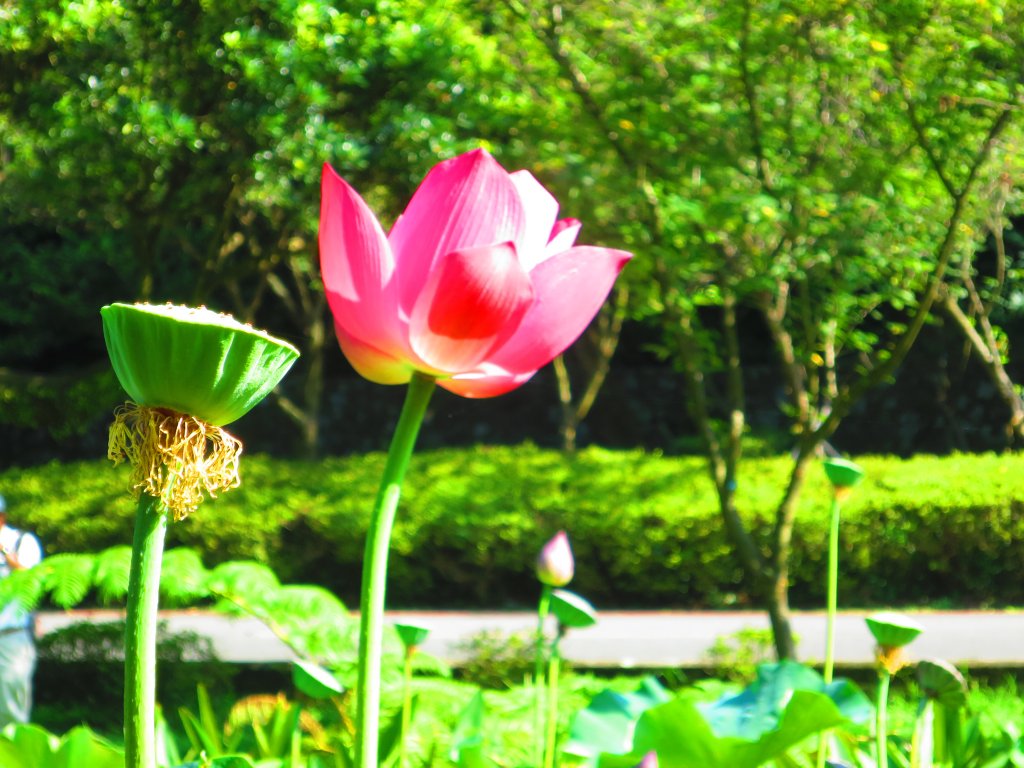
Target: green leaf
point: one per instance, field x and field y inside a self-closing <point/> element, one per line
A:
<point x="571" y="610"/>
<point x="232" y="761"/>
<point x="760" y="706"/>
<point x="183" y="576"/>
<point x="315" y="681"/>
<point x="69" y="578"/>
<point x="244" y="582"/>
<point x="681" y="736"/>
<point x="30" y="744"/>
<point x="787" y="703"/>
<point x="468" y="735"/>
<point x="607" y="724"/>
<point x="112" y="569"/>
<point x="81" y="747"/>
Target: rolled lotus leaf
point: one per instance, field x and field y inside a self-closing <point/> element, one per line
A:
<point x="941" y="681"/>
<point x="412" y="635"/>
<point x="571" y="610"/>
<point x="843" y="473"/>
<point x="193" y="361"/>
<point x="893" y="630"/>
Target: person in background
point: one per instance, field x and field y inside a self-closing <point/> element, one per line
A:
<point x="18" y="550"/>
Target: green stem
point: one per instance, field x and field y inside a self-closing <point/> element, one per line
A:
<point x="140" y="634"/>
<point x="554" y="665"/>
<point x="375" y="569"/>
<point x="830" y="619"/>
<point x="923" y="741"/>
<point x="406" y="706"/>
<point x="833" y="588"/>
<point x="882" y="719"/>
<point x="543" y="607"/>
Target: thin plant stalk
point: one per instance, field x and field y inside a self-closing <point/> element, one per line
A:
<point x="375" y="568"/>
<point x="406" y="705"/>
<point x="882" y="719"/>
<point x="833" y="589"/>
<point x="140" y="633"/>
<point x="554" y="667"/>
<point x="830" y="619"/>
<point x="543" y="608"/>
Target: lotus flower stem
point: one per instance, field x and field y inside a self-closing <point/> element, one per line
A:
<point x="543" y="608"/>
<point x="882" y="718"/>
<point x="833" y="589"/>
<point x="554" y="667"/>
<point x="140" y="633"/>
<point x="830" y="619"/>
<point x="375" y="568"/>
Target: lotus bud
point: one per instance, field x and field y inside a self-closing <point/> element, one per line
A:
<point x="650" y="760"/>
<point x="188" y="372"/>
<point x="555" y="565"/>
<point x="892" y="631"/>
<point x="843" y="474"/>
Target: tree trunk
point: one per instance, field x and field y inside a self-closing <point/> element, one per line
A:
<point x="595" y="350"/>
<point x="983" y="342"/>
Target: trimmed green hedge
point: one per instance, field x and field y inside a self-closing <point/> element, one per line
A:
<point x="645" y="527"/>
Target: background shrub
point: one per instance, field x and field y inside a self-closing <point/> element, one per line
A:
<point x="645" y="527"/>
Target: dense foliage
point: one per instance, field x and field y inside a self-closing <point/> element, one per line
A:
<point x="645" y="527"/>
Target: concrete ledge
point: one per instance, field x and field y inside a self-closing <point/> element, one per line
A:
<point x="627" y="639"/>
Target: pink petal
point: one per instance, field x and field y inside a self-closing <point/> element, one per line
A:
<point x="563" y="236"/>
<point x="487" y="381"/>
<point x="541" y="211"/>
<point x="466" y="202"/>
<point x="472" y="303"/>
<point x="357" y="266"/>
<point x="372" y="363"/>
<point x="570" y="289"/>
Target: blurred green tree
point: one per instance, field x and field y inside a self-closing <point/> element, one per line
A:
<point x="172" y="151"/>
<point x="824" y="168"/>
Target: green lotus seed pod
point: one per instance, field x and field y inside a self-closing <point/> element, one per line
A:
<point x="412" y="635"/>
<point x="193" y="361"/>
<point x="941" y="681"/>
<point x="571" y="610"/>
<point x="843" y="473"/>
<point x="893" y="630"/>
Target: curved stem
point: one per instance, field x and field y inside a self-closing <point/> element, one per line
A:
<point x="538" y="676"/>
<point x="882" y="719"/>
<point x="140" y="633"/>
<point x="375" y="568"/>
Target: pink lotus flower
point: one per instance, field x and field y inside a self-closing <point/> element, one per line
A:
<point x="478" y="283"/>
<point x="555" y="563"/>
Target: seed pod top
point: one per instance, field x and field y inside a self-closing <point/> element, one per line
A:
<point x="893" y="630"/>
<point x="843" y="473"/>
<point x="193" y="361"/>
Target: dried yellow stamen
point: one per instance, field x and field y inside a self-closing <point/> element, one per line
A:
<point x="174" y="456"/>
<point x="890" y="658"/>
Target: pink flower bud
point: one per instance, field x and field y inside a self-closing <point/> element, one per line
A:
<point x="650" y="760"/>
<point x="555" y="564"/>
